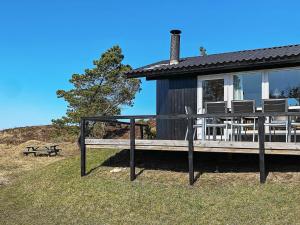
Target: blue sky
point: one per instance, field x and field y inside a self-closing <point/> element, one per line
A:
<point x="42" y="43"/>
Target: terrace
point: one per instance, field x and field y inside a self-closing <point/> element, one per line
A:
<point x="260" y="147"/>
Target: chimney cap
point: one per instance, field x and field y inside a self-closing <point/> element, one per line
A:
<point x="175" y="31"/>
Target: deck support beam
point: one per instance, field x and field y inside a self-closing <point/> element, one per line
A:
<point x="191" y="151"/>
<point x="132" y="149"/>
<point x="82" y="147"/>
<point x="261" y="138"/>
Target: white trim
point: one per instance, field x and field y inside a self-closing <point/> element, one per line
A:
<point x="199" y="96"/>
<point x="265" y="85"/>
<point x="200" y="80"/>
<point x="228" y="83"/>
<point x="199" y="105"/>
<point x="228" y="87"/>
<point x="200" y="109"/>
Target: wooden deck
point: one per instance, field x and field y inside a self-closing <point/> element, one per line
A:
<point x="261" y="147"/>
<point x="280" y="148"/>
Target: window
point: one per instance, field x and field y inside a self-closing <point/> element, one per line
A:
<point x="247" y="86"/>
<point x="213" y="90"/>
<point x="285" y="84"/>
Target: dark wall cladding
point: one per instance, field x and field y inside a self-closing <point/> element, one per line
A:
<point x="171" y="98"/>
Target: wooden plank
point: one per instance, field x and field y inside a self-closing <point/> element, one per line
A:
<point x="138" y="142"/>
<point x="205" y="144"/>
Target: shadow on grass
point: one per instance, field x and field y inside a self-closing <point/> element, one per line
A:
<point x="203" y="162"/>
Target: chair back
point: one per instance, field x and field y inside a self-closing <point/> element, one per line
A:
<point x="243" y="106"/>
<point x="216" y="107"/>
<point x="274" y="105"/>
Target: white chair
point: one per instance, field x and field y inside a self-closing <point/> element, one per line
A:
<point x="276" y="105"/>
<point x="242" y="106"/>
<point x="216" y="108"/>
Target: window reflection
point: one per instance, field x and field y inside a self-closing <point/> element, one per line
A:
<point x="248" y="87"/>
<point x="285" y="84"/>
<point x="213" y="90"/>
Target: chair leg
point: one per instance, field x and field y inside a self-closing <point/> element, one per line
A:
<point x="194" y="133"/>
<point x="222" y="134"/>
<point x="286" y="133"/>
<point x="270" y="134"/>
<point x="253" y="135"/>
<point x="226" y="132"/>
<point x="186" y="134"/>
<point x="203" y="133"/>
<point x="295" y="134"/>
<point x="204" y="130"/>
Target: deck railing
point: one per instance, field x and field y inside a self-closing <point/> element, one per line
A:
<point x="190" y="118"/>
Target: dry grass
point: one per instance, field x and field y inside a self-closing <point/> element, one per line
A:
<point x="13" y="163"/>
<point x="49" y="190"/>
<point x="56" y="194"/>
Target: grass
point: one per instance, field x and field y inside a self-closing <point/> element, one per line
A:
<point x="55" y="194"/>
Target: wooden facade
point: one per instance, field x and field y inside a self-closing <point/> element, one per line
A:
<point x="172" y="95"/>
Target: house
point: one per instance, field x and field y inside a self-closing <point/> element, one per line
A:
<point x="192" y="81"/>
<point x="217" y="79"/>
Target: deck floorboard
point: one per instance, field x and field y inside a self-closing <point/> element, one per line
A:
<point x="280" y="148"/>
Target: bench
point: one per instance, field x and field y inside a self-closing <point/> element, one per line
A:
<point x="50" y="151"/>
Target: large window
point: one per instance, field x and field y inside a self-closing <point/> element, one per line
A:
<point x="248" y="87"/>
<point x="285" y="84"/>
<point x="213" y="90"/>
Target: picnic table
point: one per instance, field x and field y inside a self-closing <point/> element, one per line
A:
<point x="46" y="150"/>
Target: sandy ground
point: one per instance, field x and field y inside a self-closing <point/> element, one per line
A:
<point x="13" y="162"/>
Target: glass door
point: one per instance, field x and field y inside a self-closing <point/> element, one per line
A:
<point x="212" y="91"/>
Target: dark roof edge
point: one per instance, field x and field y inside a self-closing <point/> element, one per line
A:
<point x="221" y="68"/>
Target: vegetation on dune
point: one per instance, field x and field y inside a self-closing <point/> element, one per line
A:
<point x="47" y="133"/>
<point x="56" y="194"/>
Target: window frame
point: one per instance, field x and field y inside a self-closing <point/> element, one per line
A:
<point x="229" y="88"/>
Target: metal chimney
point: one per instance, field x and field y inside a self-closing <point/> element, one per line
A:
<point x="175" y="47"/>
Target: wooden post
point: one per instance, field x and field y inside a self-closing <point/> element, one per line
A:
<point x="191" y="151"/>
<point x="132" y="149"/>
<point x="261" y="138"/>
<point x="82" y="147"/>
<point x="142" y="132"/>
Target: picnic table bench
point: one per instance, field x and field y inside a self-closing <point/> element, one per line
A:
<point x="46" y="150"/>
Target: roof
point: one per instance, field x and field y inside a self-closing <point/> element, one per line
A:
<point x="219" y="63"/>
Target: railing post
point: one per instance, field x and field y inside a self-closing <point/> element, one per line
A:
<point x="132" y="149"/>
<point x="142" y="132"/>
<point x="261" y="139"/>
<point x="82" y="147"/>
<point x="191" y="150"/>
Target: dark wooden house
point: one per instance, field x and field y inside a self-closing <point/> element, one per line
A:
<point x="250" y="74"/>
